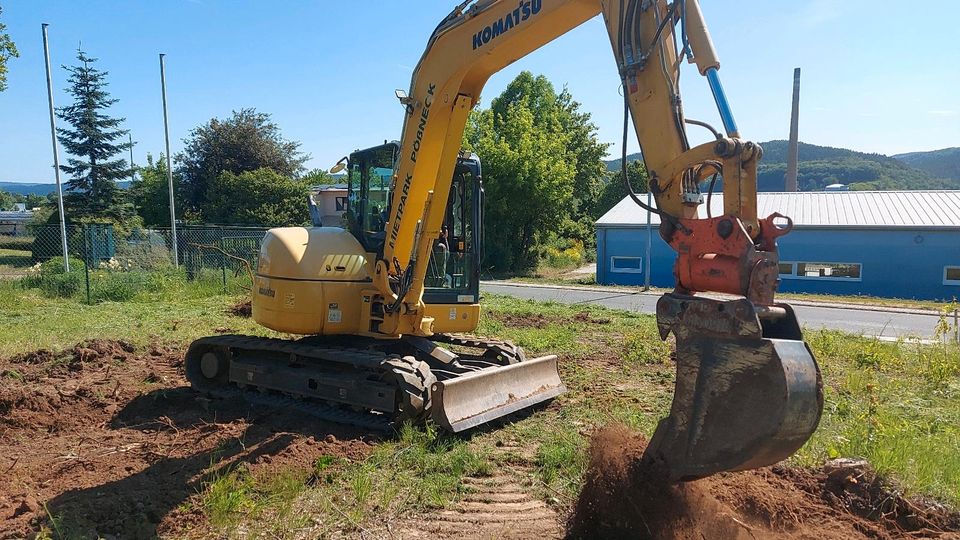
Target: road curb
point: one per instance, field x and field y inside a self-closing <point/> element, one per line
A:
<point x="634" y="291"/>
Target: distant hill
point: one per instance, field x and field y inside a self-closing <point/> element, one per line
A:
<point x="24" y="188"/>
<point x="27" y="189"/>
<point x="614" y="164"/>
<point x="821" y="166"/>
<point x="943" y="163"/>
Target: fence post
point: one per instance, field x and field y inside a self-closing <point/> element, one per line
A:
<point x="223" y="262"/>
<point x="956" y="325"/>
<point x="86" y="260"/>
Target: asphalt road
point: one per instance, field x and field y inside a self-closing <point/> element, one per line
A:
<point x="884" y="324"/>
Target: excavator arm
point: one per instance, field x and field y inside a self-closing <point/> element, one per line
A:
<point x="748" y="391"/>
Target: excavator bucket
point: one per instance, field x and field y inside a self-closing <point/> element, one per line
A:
<point x="469" y="400"/>
<point x="748" y="390"/>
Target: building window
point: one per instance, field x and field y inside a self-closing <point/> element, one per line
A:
<point x="818" y="270"/>
<point x="951" y="275"/>
<point x="629" y="265"/>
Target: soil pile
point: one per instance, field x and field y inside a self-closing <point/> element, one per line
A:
<point x="241" y="309"/>
<point x="625" y="497"/>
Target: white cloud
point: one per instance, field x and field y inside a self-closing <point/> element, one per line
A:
<point x="943" y="112"/>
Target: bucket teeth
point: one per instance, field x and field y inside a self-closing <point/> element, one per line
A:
<point x="748" y="390"/>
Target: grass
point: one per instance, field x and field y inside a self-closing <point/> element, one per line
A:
<point x="14" y="261"/>
<point x="896" y="404"/>
<point x="419" y="469"/>
<point x="31" y="320"/>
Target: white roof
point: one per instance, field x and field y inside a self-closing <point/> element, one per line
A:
<point x="822" y="209"/>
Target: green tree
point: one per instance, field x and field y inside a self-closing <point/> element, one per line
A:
<point x="615" y="190"/>
<point x="589" y="153"/>
<point x="8" y="50"/>
<point x="150" y="193"/>
<point x="247" y="141"/>
<point x="32" y="200"/>
<point x="94" y="141"/>
<point x="560" y="114"/>
<point x="528" y="180"/>
<point x="543" y="133"/>
<point x="6" y="200"/>
<point x="320" y="177"/>
<point x="260" y="197"/>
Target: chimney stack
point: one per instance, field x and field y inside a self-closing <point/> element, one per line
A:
<point x="790" y="183"/>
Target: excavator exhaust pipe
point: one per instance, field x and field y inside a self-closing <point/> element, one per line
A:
<point x="467" y="401"/>
<point x="748" y="390"/>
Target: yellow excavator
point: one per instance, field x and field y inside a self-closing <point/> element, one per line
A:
<point x="387" y="304"/>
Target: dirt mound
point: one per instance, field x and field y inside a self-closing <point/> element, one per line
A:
<point x="241" y="309"/>
<point x="539" y="320"/>
<point x="585" y="316"/>
<point x="109" y="441"/>
<point x="625" y="497"/>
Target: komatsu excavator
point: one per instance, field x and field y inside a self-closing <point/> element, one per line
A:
<point x="387" y="304"/>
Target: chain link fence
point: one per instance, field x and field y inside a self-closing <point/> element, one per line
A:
<point x="105" y="264"/>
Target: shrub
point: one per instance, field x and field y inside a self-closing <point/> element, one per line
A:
<point x="571" y="256"/>
<point x="115" y="286"/>
<point x="62" y="285"/>
<point x="53" y="281"/>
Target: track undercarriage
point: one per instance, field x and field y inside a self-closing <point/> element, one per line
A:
<point x="460" y="381"/>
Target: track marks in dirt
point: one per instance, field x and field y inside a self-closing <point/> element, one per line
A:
<point x="499" y="506"/>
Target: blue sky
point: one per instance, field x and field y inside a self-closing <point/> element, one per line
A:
<point x="878" y="76"/>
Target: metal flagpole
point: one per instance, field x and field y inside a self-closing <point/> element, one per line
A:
<point x="56" y="155"/>
<point x="166" y="134"/>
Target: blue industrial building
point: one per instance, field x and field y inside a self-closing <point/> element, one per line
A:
<point x="894" y="244"/>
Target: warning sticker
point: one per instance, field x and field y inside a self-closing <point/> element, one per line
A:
<point x="334" y="314"/>
<point x="453" y="314"/>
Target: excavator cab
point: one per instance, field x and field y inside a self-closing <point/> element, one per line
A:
<point x="453" y="272"/>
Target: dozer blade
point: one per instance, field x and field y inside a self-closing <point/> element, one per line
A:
<point x="748" y="390"/>
<point x="463" y="402"/>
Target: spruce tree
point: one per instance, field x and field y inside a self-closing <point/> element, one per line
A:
<point x="8" y="50"/>
<point x="94" y="141"/>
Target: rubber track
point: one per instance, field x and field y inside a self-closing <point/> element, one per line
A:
<point x="341" y="415"/>
<point x="413" y="376"/>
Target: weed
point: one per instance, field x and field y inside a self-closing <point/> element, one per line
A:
<point x="54" y="521"/>
<point x="227" y="495"/>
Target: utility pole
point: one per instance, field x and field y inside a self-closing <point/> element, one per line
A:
<point x="56" y="154"/>
<point x="790" y="182"/>
<point x="646" y="270"/>
<point x="166" y="134"/>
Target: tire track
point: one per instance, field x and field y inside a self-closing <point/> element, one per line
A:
<point x="496" y="507"/>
